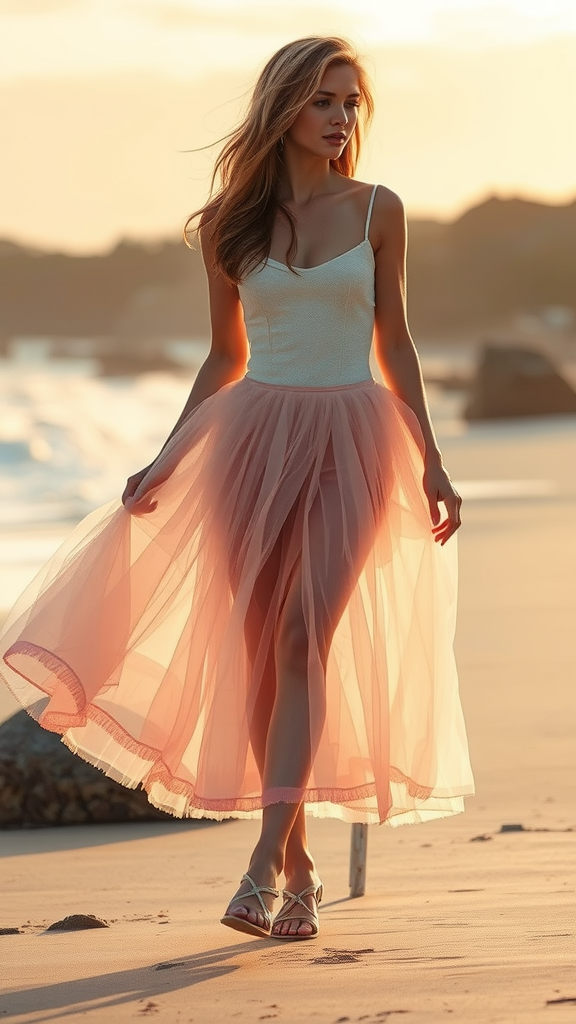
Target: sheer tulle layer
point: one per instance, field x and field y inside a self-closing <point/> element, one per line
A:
<point x="149" y="640"/>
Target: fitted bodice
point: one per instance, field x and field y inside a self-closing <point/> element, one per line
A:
<point x="313" y="327"/>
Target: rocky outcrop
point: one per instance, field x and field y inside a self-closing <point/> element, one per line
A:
<point x="513" y="381"/>
<point x="42" y="783"/>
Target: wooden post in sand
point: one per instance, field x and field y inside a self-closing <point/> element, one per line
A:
<point x="358" y="849"/>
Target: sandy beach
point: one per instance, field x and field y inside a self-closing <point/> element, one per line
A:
<point x="461" y="921"/>
<point x="129" y="124"/>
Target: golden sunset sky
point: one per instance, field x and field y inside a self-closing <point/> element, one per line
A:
<point x="101" y="97"/>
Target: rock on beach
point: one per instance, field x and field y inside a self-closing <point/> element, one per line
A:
<point x="513" y="381"/>
<point x="42" y="783"/>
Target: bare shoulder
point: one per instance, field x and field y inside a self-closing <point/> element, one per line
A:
<point x="388" y="208"/>
<point x="208" y="250"/>
<point x="388" y="222"/>
<point x="385" y="198"/>
<point x="204" y="229"/>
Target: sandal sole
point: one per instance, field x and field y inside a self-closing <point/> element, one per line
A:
<point x="240" y="925"/>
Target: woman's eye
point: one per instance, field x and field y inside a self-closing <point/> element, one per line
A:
<point x="324" y="103"/>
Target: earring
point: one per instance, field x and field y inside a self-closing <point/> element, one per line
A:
<point x="281" y="144"/>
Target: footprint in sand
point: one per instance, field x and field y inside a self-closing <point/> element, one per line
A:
<point x="148" y="1008"/>
<point x="340" y="956"/>
<point x="372" y="1018"/>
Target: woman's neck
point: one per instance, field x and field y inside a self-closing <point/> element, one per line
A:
<point x="305" y="178"/>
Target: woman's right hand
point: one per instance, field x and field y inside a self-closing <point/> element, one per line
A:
<point x="132" y="484"/>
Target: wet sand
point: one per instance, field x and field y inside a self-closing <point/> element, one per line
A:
<point x="460" y="922"/>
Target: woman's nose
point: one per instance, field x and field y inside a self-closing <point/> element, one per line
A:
<point x="340" y="118"/>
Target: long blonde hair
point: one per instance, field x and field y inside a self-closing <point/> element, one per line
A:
<point x="243" y="209"/>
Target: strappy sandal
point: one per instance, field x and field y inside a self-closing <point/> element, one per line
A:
<point x="293" y="899"/>
<point x="242" y="924"/>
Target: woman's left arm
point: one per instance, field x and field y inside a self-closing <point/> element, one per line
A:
<point x="397" y="357"/>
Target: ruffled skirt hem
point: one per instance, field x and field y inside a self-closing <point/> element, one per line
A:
<point x="99" y="741"/>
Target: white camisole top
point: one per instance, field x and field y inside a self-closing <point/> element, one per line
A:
<point x="313" y="328"/>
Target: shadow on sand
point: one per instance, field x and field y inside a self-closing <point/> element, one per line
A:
<point x="19" y="842"/>
<point x="138" y="985"/>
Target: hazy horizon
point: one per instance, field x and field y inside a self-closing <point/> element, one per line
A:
<point x="101" y="100"/>
<point x="169" y="238"/>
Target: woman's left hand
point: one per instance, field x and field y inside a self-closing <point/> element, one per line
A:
<point x="136" y="498"/>
<point x="439" y="488"/>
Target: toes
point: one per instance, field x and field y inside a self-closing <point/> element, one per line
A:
<point x="239" y="912"/>
<point x="293" y="928"/>
<point x="246" y="913"/>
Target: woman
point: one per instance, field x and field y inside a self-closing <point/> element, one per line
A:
<point x="265" y="627"/>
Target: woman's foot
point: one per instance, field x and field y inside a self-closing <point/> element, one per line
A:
<point x="252" y="909"/>
<point x="302" y="894"/>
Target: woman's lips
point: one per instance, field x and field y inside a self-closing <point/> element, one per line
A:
<point x="335" y="140"/>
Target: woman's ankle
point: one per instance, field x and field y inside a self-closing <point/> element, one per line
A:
<point x="299" y="863"/>
<point x="267" y="862"/>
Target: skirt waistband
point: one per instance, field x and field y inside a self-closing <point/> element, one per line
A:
<point x="306" y="388"/>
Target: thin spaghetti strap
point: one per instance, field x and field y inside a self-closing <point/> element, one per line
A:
<point x="369" y="214"/>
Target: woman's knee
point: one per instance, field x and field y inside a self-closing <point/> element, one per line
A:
<point x="292" y="645"/>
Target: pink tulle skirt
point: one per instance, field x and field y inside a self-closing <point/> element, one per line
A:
<point x="150" y="640"/>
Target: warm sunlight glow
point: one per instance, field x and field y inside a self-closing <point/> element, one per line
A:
<point x="102" y="96"/>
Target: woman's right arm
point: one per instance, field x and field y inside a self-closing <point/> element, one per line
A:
<point x="226" y="361"/>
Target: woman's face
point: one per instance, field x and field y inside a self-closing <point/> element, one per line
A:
<point x="328" y="119"/>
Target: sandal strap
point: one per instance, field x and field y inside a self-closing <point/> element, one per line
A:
<point x="292" y="898"/>
<point x="255" y="891"/>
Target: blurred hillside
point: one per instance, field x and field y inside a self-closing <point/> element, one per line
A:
<point x="134" y="291"/>
<point x="500" y="260"/>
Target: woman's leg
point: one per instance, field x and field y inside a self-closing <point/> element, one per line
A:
<point x="279" y="730"/>
<point x="294" y="730"/>
<point x="288" y="752"/>
<point x="267" y="859"/>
